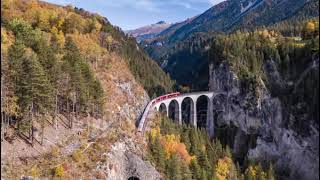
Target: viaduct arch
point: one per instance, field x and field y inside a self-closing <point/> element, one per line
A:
<point x="190" y="108"/>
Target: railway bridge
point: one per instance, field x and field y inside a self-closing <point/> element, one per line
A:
<point x="189" y="108"/>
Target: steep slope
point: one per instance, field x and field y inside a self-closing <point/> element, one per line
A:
<point x="149" y="31"/>
<point x="267" y="114"/>
<point x="232" y="14"/>
<point x="72" y="85"/>
<point x="225" y="17"/>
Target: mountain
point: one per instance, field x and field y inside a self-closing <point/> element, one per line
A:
<point x="225" y="17"/>
<point x="72" y="87"/>
<point x="233" y="14"/>
<point x="149" y="31"/>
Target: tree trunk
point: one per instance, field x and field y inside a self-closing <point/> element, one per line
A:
<point x="73" y="110"/>
<point x="68" y="111"/>
<point x="56" y="113"/>
<point x="42" y="131"/>
<point x="2" y="126"/>
<point x="32" y="123"/>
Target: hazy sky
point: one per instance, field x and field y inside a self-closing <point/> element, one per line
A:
<point x="130" y="14"/>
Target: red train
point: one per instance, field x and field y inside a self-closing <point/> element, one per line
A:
<point x="164" y="97"/>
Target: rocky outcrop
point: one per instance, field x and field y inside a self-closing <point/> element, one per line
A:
<point x="259" y="123"/>
<point x="122" y="163"/>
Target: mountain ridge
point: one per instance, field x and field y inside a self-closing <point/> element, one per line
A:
<point x="149" y="31"/>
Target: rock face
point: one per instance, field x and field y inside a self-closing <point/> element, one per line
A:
<point x="259" y="126"/>
<point x="123" y="163"/>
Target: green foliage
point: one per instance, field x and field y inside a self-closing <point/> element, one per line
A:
<point x="34" y="89"/>
<point x="157" y="153"/>
<point x="173" y="168"/>
<point x="36" y="73"/>
<point x="205" y="154"/>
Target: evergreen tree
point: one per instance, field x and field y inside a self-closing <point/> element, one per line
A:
<point x="195" y="144"/>
<point x="204" y="175"/>
<point x="173" y="171"/>
<point x="270" y="173"/>
<point x="185" y="137"/>
<point x="195" y="169"/>
<point x="159" y="154"/>
<point x="203" y="160"/>
<point x="34" y="87"/>
<point x="15" y="55"/>
<point x="218" y="149"/>
<point x="185" y="171"/>
<point x="227" y="152"/>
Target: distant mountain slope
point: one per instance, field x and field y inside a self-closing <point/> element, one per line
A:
<point x="187" y="39"/>
<point x="234" y="14"/>
<point x="149" y="31"/>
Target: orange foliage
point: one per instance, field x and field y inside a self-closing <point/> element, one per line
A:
<point x="172" y="145"/>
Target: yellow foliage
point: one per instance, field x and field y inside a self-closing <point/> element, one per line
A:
<point x="87" y="44"/>
<point x="154" y="133"/>
<point x="252" y="171"/>
<point x="96" y="26"/>
<point x="35" y="171"/>
<point x="171" y="144"/>
<point x="7" y="39"/>
<point x="12" y="107"/>
<point x="59" y="171"/>
<point x="58" y="37"/>
<point x="223" y="168"/>
<point x="77" y="155"/>
<point x="310" y="26"/>
<point x="55" y="152"/>
<point x="109" y="39"/>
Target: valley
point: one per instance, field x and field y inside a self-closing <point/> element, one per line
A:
<point x="231" y="93"/>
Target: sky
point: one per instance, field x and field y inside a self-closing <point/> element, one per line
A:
<point x="131" y="14"/>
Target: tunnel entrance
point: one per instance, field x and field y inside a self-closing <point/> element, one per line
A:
<point x="202" y="111"/>
<point x="187" y="108"/>
<point x="133" y="178"/>
<point x="174" y="110"/>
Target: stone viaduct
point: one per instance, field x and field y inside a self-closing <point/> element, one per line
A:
<point x="190" y="108"/>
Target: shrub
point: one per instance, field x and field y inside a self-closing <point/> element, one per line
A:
<point x="55" y="152"/>
<point x="58" y="171"/>
<point x="77" y="155"/>
<point x="35" y="172"/>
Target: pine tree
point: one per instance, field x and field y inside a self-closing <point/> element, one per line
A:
<point x="173" y="171"/>
<point x="185" y="137"/>
<point x="34" y="91"/>
<point x="194" y="140"/>
<point x="270" y="173"/>
<point x="15" y="55"/>
<point x="203" y="160"/>
<point x="195" y="169"/>
<point x="185" y="171"/>
<point x="204" y="175"/>
<point x="228" y="152"/>
<point x="159" y="154"/>
<point x="218" y="149"/>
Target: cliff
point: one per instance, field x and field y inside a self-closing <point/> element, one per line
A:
<point x="255" y="125"/>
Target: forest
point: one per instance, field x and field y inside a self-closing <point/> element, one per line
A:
<point x="49" y="59"/>
<point x="184" y="152"/>
<point x="247" y="53"/>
